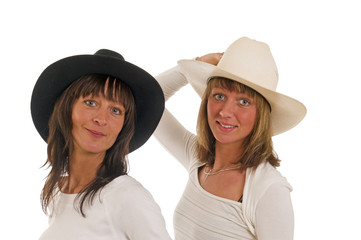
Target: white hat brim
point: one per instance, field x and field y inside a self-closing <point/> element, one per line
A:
<point x="286" y="112"/>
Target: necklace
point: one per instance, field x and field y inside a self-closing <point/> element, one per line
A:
<point x="210" y="173"/>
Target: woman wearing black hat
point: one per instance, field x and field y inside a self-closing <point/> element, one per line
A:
<point x="92" y="110"/>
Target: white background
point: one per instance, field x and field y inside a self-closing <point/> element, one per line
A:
<point x="316" y="45"/>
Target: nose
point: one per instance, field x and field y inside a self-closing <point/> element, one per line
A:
<point x="100" y="117"/>
<point x="227" y="109"/>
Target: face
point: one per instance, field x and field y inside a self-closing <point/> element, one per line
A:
<point x="231" y="115"/>
<point x="96" y="123"/>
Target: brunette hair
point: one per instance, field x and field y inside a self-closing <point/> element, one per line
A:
<point x="257" y="147"/>
<point x="60" y="140"/>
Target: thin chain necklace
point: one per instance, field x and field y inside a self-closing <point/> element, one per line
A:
<point x="210" y="173"/>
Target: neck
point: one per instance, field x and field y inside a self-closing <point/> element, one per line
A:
<point x="227" y="155"/>
<point x="82" y="170"/>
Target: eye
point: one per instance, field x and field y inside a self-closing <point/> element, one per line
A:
<point x="218" y="96"/>
<point x="90" y="103"/>
<point x="116" y="111"/>
<point x="244" y="102"/>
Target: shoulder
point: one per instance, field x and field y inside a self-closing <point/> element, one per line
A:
<point x="132" y="209"/>
<point x="266" y="174"/>
<point x="127" y="196"/>
<point x="264" y="181"/>
<point x="261" y="179"/>
<point x="125" y="187"/>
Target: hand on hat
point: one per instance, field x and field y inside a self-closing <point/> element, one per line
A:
<point x="211" y="58"/>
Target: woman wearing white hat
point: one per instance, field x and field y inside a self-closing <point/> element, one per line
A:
<point x="234" y="190"/>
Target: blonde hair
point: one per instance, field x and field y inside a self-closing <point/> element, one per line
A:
<point x="257" y="147"/>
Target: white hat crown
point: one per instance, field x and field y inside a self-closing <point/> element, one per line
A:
<point x="252" y="61"/>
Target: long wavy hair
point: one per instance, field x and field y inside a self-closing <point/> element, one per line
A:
<point x="257" y="147"/>
<point x="60" y="140"/>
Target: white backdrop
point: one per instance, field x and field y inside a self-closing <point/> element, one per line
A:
<point x="316" y="45"/>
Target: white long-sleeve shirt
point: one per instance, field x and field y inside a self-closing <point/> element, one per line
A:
<point x="266" y="211"/>
<point x="123" y="209"/>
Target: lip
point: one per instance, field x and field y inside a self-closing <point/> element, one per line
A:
<point x="226" y="127"/>
<point x="95" y="133"/>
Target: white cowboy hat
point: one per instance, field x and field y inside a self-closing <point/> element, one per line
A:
<point x="249" y="62"/>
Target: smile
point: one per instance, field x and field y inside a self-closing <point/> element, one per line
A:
<point x="227" y="126"/>
<point x="96" y="133"/>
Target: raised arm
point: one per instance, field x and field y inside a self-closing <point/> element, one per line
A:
<point x="170" y="133"/>
<point x="171" y="81"/>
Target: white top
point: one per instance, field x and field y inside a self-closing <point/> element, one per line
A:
<point x="266" y="211"/>
<point x="124" y="209"/>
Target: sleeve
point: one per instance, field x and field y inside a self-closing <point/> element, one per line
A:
<point x="170" y="133"/>
<point x="274" y="214"/>
<point x="136" y="215"/>
<point x="171" y="81"/>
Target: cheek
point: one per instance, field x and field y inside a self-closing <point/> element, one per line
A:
<point x="76" y="120"/>
<point x="210" y="114"/>
<point x="118" y="130"/>
<point x="249" y="117"/>
<point x="117" y="127"/>
<point x="78" y="115"/>
<point x="212" y="110"/>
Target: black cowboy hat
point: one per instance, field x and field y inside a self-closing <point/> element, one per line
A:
<point x="148" y="95"/>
